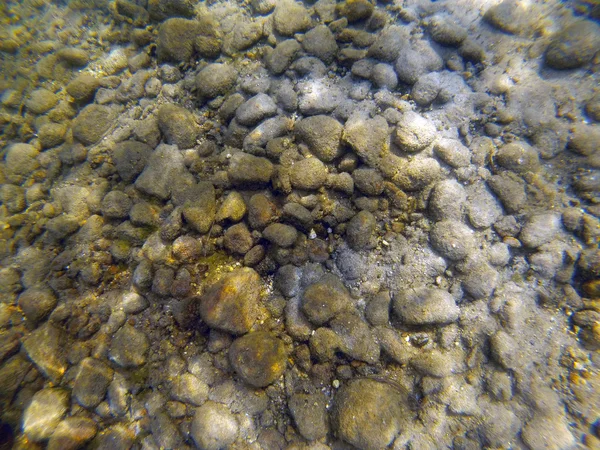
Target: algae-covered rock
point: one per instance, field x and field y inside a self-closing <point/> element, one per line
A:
<point x="92" y="123"/>
<point x="178" y="125"/>
<point x="574" y="46"/>
<point x="259" y="358"/>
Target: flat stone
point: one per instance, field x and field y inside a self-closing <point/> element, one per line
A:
<point x="425" y="306"/>
<point x="72" y="433"/>
<point x="165" y="165"/>
<point x="42" y="416"/>
<point x="46" y="346"/>
<point x="129" y="347"/>
<point x="91" y="382"/>
<point x="323" y="300"/>
<point x="189" y="388"/>
<point x="214" y="426"/>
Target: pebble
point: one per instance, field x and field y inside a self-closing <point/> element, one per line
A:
<point x="41" y="101"/>
<point x="233" y="208"/>
<point x="368" y="414"/>
<point x="322" y="135"/>
<point x="483" y="208"/>
<point x="91" y="382"/>
<point x="355" y="337"/>
<point x="360" y="231"/>
<point x="324" y="299"/>
<point x="510" y="189"/>
<point x="37" y="303"/>
<point x="414" y="132"/>
<point x="280" y="234"/>
<point x="287" y="280"/>
<point x="452" y="239"/>
<point x="116" y="205"/>
<point x="447" y="201"/>
<point x="165" y="164"/>
<point x="215" y="79"/>
<point x="261" y="211"/>
<point x="320" y="42"/>
<point x="188" y="388"/>
<point x="44" y="413"/>
<point x="178" y="125"/>
<point x="199" y="206"/>
<point x="425" y="306"/>
<point x="452" y="152"/>
<point x="308" y="174"/>
<point x="92" y="123"/>
<point x="540" y="229"/>
<point x="519" y="157"/>
<point x="83" y="87"/>
<point x="355" y="10"/>
<point x="72" y="433"/>
<point x="309" y="412"/>
<point x="20" y="160"/>
<point x="245" y="169"/>
<point x="446" y="32"/>
<point x="290" y="17"/>
<point x="258" y="358"/>
<point x="231" y="303"/>
<point x="129" y="347"/>
<point x="255" y="110"/>
<point x="383" y="76"/>
<point x="214" y="427"/>
<point x="377" y="311"/>
<point x="45" y="346"/>
<point x="548" y="432"/>
<point x="368" y="138"/>
<point x="282" y="56"/>
<point x="237" y="239"/>
<point x="52" y="134"/>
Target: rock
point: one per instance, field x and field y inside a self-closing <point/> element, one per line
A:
<point x="214" y="427"/>
<point x="91" y="382"/>
<point x="178" y="125"/>
<point x="322" y="135"/>
<point x="13" y="197"/>
<point x="355" y="338"/>
<point x="414" y="62"/>
<point x="425" y="306"/>
<point x="483" y="209"/>
<point x="368" y="138"/>
<point x="574" y="46"/>
<point x="540" y="229"/>
<point x="510" y="189"/>
<point x="447" y="201"/>
<point x="20" y="160"/>
<point x="244" y="36"/>
<point x="41" y="101"/>
<point x="159" y="10"/>
<point x="508" y="16"/>
<point x="548" y="432"/>
<point x="233" y="208"/>
<point x="116" y="205"/>
<point x="256" y="110"/>
<point x="245" y="169"/>
<point x="368" y="414"/>
<point x="92" y="123"/>
<point x="188" y="388"/>
<point x="215" y="80"/>
<point x="83" y="87"/>
<point x="231" y="303"/>
<point x="280" y="234"/>
<point x="179" y="39"/>
<point x="324" y="299"/>
<point x="45" y="346"/>
<point x="414" y="132"/>
<point x="42" y="416"/>
<point x="471" y="51"/>
<point x="199" y="207"/>
<point x="505" y="350"/>
<point x="360" y="231"/>
<point x="258" y="358"/>
<point x="36" y="303"/>
<point x="592" y="107"/>
<point x="309" y="412"/>
<point x="261" y="211"/>
<point x="129" y="347"/>
<point x="452" y="152"/>
<point x="72" y="433"/>
<point x="446" y="32"/>
<point x="130" y="158"/>
<point x="584" y="139"/>
<point x="282" y="56"/>
<point x="383" y="76"/>
<point x="519" y="157"/>
<point x="377" y="311"/>
<point x="308" y="174"/>
<point x="134" y="303"/>
<point x="368" y="181"/>
<point x="290" y="17"/>
<point x="320" y="96"/>
<point x="237" y="239"/>
<point x="265" y="132"/>
<point x="75" y="57"/>
<point x="452" y="239"/>
<point x="390" y="43"/>
<point x="321" y="43"/>
<point x="165" y="165"/>
<point x="287" y="280"/>
<point x="355" y="10"/>
<point x="52" y="134"/>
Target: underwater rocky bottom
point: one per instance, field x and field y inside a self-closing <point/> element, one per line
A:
<point x="296" y="225"/>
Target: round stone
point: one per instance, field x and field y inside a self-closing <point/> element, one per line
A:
<point x="258" y="358"/>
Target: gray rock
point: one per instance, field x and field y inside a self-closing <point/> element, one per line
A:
<point x="72" y="433"/>
<point x="540" y="229"/>
<point x="446" y="32"/>
<point x="324" y="299"/>
<point x="584" y="139"/>
<point x="179" y="39"/>
<point x="377" y="311"/>
<point x="214" y="427"/>
<point x="165" y="165"/>
<point x="52" y="134"/>
<point x="263" y="7"/>
<point x="129" y="347"/>
<point x="368" y="138"/>
<point x="45" y="346"/>
<point x="414" y="132"/>
<point x="426" y="90"/>
<point x="178" y="125"/>
<point x="360" y="231"/>
<point x="452" y="152"/>
<point x="83" y="87"/>
<point x="355" y="337"/>
<point x="309" y="67"/>
<point x="160" y="10"/>
<point x="13" y="197"/>
<point x="383" y="76"/>
<point x="548" y="432"/>
<point x="282" y="56"/>
<point x="414" y="62"/>
<point x="510" y="189"/>
<point x="322" y="135"/>
<point x="187" y="249"/>
<point x="231" y="303"/>
<point x="368" y="181"/>
<point x="200" y="207"/>
<point x="452" y="239"/>
<point x="447" y="201"/>
<point x="41" y="101"/>
<point x="188" y="388"/>
<point x="256" y="110"/>
<point x="290" y="17"/>
<point x="165" y="432"/>
<point x="574" y="46"/>
<point x="91" y="382"/>
<point x="308" y="173"/>
<point x="42" y="416"/>
<point x="92" y="123"/>
<point x="243" y="36"/>
<point x="74" y="57"/>
<point x="355" y="10"/>
<point x="368" y="414"/>
<point x="298" y="215"/>
<point x="505" y="350"/>
<point x="134" y="303"/>
<point x="116" y="205"/>
<point x="390" y="43"/>
<point x="215" y="80"/>
<point x="265" y="132"/>
<point x="425" y="306"/>
<point x="20" y="160"/>
<point x="321" y="43"/>
<point x="245" y="169"/>
<point x="237" y="239"/>
<point x="287" y="280"/>
<point x="36" y="303"/>
<point x="507" y="16"/>
<point x="519" y="157"/>
<point x="483" y="209"/>
<point x="319" y="97"/>
<point x="259" y="358"/>
<point x="280" y="234"/>
<point x="309" y="412"/>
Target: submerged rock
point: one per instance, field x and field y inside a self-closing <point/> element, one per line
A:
<point x="259" y="358"/>
<point x="42" y="416"/>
